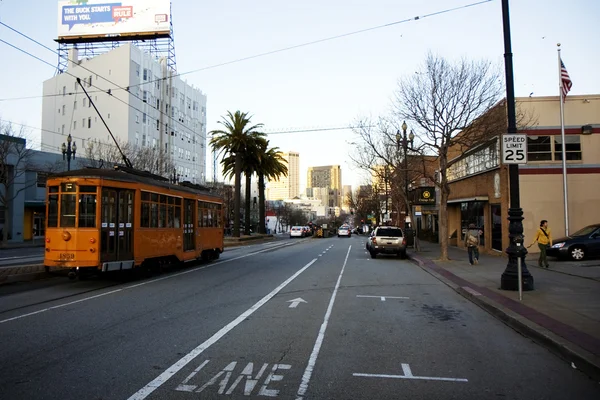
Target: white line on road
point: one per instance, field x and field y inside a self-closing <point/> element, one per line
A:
<point x="383" y="297"/>
<point x="408" y="375"/>
<point x="315" y="353"/>
<point x="136" y="285"/>
<point x="173" y="369"/>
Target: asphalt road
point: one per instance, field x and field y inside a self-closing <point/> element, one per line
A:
<point x="22" y="256"/>
<point x="308" y="318"/>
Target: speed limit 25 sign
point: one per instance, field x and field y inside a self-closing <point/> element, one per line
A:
<point x="514" y="149"/>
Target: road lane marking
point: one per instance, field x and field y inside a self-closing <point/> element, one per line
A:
<point x="296" y="301"/>
<point x="408" y="375"/>
<point x="315" y="352"/>
<point x="383" y="297"/>
<point x="136" y="285"/>
<point x="175" y="368"/>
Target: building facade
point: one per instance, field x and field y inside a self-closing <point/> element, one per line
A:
<point x="479" y="182"/>
<point x="329" y="177"/>
<point x="287" y="187"/>
<point x="140" y="100"/>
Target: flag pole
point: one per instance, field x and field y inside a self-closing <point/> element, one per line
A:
<point x="564" y="144"/>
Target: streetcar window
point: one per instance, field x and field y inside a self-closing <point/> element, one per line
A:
<point x="177" y="201"/>
<point x="154" y="197"/>
<point x="162" y="222"/>
<point x="53" y="189"/>
<point x="170" y="216"/>
<point x="171" y="200"/>
<point x="87" y="209"/>
<point x="145" y="196"/>
<point x="145" y="223"/>
<point x="68" y="187"/>
<point x="68" y="209"/>
<point x="87" y="189"/>
<point x="153" y="215"/>
<point x="53" y="210"/>
<point x="177" y="219"/>
<point x="163" y="199"/>
<point x="199" y="214"/>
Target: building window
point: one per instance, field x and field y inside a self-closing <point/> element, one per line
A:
<point x="41" y="179"/>
<point x="90" y="82"/>
<point x="74" y="125"/>
<point x="84" y="100"/>
<point x="157" y="124"/>
<point x="144" y="118"/>
<point x="137" y="119"/>
<point x="572" y="147"/>
<point x="89" y="122"/>
<point x="539" y="148"/>
<point x="63" y="110"/>
<point x="549" y="148"/>
<point x="483" y="159"/>
<point x="472" y="213"/>
<point x="145" y="74"/>
<point x="83" y="123"/>
<point x="64" y="90"/>
<point x="63" y="129"/>
<point x="145" y="96"/>
<point x="75" y="105"/>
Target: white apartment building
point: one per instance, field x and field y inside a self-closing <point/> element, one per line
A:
<point x="287" y="187"/>
<point x="147" y="106"/>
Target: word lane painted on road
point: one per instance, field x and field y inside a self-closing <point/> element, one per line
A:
<point x="247" y="380"/>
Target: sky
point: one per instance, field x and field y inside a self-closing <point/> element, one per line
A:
<point x="332" y="83"/>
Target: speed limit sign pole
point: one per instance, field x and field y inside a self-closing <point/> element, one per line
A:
<point x="514" y="152"/>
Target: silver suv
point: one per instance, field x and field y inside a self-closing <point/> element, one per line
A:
<point x="388" y="240"/>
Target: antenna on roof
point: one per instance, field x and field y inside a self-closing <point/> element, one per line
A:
<point x="125" y="159"/>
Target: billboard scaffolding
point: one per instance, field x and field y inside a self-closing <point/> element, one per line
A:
<point x="95" y="27"/>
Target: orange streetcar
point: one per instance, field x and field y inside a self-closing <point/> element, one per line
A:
<point x="121" y="219"/>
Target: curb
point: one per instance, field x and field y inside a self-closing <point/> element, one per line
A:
<point x="579" y="358"/>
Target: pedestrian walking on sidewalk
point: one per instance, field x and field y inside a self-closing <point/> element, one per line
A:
<point x="543" y="237"/>
<point x="472" y="244"/>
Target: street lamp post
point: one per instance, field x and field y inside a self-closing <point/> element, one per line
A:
<point x="515" y="250"/>
<point x="405" y="142"/>
<point x="68" y="151"/>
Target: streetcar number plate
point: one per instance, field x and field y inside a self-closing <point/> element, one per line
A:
<point x="66" y="256"/>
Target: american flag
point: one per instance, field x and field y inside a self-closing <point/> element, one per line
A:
<point x="564" y="80"/>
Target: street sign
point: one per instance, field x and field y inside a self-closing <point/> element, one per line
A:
<point x="514" y="149"/>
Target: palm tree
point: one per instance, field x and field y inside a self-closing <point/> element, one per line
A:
<point x="233" y="140"/>
<point x="272" y="166"/>
<point x="251" y="160"/>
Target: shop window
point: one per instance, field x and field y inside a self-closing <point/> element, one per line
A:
<point x="472" y="213"/>
<point x="539" y="148"/>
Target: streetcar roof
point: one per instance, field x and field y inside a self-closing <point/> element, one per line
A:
<point x="122" y="175"/>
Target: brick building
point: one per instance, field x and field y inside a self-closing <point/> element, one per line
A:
<point x="479" y="183"/>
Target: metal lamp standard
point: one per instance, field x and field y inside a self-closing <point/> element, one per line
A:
<point x="405" y="142"/>
<point x="68" y="151"/>
<point x="516" y="250"/>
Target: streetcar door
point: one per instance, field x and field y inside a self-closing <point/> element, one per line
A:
<point x="125" y="231"/>
<point x="108" y="225"/>
<point x="189" y="242"/>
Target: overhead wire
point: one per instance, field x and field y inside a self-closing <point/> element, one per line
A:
<point x="107" y="91"/>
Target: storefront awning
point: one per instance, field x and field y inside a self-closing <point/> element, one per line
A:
<point x="468" y="199"/>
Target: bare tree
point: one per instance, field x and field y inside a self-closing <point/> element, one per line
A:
<point x="15" y="161"/>
<point x="98" y="154"/>
<point x="443" y="99"/>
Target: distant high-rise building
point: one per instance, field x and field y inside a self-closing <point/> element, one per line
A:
<point x="287" y="187"/>
<point x="346" y="192"/>
<point x="329" y="177"/>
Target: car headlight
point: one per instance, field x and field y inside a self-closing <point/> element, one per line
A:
<point x="558" y="245"/>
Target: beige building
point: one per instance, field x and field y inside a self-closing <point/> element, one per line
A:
<point x="329" y="177"/>
<point x="479" y="182"/>
<point x="287" y="187"/>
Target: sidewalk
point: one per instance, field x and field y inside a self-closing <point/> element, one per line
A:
<point x="562" y="313"/>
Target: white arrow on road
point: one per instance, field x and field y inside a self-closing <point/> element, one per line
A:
<point x="296" y="301"/>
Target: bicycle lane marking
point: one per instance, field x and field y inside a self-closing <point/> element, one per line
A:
<point x="315" y="353"/>
<point x="175" y="368"/>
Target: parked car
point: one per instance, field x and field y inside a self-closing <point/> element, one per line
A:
<point x="296" y="231"/>
<point x="344" y="231"/>
<point x="580" y="245"/>
<point x="388" y="240"/>
<point x="369" y="240"/>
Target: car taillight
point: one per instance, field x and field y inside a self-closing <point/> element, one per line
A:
<point x="404" y="241"/>
<point x="374" y="241"/>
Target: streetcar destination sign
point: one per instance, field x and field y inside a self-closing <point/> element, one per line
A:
<point x="514" y="149"/>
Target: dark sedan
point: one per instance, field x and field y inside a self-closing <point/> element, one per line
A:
<point x="582" y="244"/>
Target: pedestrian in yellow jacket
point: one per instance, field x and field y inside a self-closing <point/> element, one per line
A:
<point x="543" y="237"/>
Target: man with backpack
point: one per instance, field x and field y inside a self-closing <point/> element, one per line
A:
<point x="543" y="237"/>
<point x="472" y="244"/>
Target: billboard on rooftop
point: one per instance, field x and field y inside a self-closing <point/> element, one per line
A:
<point x="94" y="20"/>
